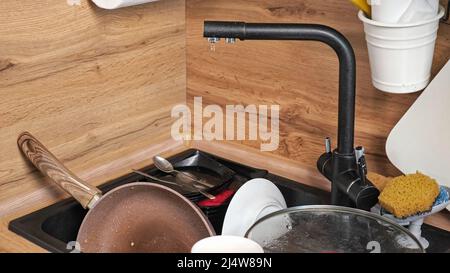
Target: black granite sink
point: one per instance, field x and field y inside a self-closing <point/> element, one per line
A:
<point x="56" y="225"/>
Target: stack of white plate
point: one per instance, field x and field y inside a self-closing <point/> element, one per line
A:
<point x="255" y="199"/>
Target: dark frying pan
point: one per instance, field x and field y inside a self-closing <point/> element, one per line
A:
<point x="136" y="217"/>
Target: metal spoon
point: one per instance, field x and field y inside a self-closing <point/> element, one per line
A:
<point x="155" y="178"/>
<point x="190" y="187"/>
<point x="164" y="165"/>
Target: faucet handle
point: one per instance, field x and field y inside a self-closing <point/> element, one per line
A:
<point x="361" y="163"/>
<point x="359" y="152"/>
<point x="328" y="145"/>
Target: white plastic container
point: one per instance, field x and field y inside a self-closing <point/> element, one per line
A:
<point x="401" y="55"/>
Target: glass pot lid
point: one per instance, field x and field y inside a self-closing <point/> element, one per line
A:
<point x="331" y="229"/>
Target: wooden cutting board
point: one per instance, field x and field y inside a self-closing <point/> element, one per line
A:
<point x="421" y="139"/>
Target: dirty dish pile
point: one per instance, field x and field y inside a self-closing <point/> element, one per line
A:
<point x="135" y="217"/>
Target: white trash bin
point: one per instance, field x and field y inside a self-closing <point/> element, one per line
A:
<point x="401" y="55"/>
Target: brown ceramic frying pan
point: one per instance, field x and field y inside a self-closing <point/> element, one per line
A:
<point x="136" y="217"/>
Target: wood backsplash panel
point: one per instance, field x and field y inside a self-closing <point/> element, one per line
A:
<point x="302" y="77"/>
<point x="93" y="85"/>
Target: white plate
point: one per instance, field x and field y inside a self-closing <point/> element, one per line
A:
<point x="420" y="140"/>
<point x="254" y="200"/>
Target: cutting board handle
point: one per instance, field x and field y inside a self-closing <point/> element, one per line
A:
<point x="50" y="166"/>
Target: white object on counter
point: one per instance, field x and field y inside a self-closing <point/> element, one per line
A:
<point x="421" y="139"/>
<point x="226" y="244"/>
<point x="401" y="55"/>
<point x="115" y="4"/>
<point x="255" y="199"/>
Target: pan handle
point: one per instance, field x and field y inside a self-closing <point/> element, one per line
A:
<point x="51" y="167"/>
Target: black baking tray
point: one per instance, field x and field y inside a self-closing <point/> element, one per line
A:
<point x="200" y="165"/>
<point x="53" y="227"/>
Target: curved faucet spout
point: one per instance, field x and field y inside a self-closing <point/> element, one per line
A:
<point x="341" y="167"/>
<point x="312" y="32"/>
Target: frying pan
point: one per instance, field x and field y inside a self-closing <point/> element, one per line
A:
<point x="136" y="217"/>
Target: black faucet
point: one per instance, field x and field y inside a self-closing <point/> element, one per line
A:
<point x="345" y="166"/>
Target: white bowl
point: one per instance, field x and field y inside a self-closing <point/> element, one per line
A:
<point x="226" y="244"/>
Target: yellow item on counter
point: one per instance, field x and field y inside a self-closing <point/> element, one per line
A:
<point x="378" y="180"/>
<point x="362" y="5"/>
<point x="408" y="195"/>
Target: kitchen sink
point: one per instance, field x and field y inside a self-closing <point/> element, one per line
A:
<point x="55" y="226"/>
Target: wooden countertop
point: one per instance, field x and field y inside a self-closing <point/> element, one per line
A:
<point x="21" y="205"/>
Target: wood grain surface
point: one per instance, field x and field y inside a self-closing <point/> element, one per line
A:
<point x="96" y="86"/>
<point x="301" y="77"/>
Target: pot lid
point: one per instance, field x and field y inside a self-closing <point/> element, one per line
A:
<point x="331" y="229"/>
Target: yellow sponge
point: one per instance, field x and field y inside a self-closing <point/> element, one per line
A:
<point x="410" y="194"/>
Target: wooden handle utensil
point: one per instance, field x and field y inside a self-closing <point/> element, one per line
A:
<point x="51" y="167"/>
